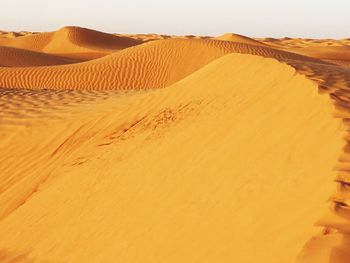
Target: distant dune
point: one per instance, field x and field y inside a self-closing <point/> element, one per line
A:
<point x="288" y="42"/>
<point x="240" y="39"/>
<point x="155" y="148"/>
<point x="332" y="53"/>
<point x="73" y="42"/>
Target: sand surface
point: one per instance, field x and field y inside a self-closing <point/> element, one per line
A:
<point x="155" y="148"/>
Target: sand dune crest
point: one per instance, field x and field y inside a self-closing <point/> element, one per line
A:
<point x="106" y="142"/>
<point x="157" y="148"/>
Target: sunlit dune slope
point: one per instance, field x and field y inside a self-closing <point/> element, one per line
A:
<point x="240" y="39"/>
<point x="15" y="57"/>
<point x="72" y="41"/>
<point x="231" y="164"/>
<point x="233" y="160"/>
<point x="152" y="65"/>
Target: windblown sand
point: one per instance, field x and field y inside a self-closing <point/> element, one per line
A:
<point x="154" y="148"/>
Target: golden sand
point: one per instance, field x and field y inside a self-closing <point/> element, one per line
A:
<point x="149" y="148"/>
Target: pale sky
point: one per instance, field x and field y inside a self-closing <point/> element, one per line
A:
<point x="255" y="18"/>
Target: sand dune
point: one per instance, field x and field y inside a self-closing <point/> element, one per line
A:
<point x="186" y="204"/>
<point x="152" y="65"/>
<point x="73" y="42"/>
<point x="240" y="39"/>
<point x="10" y="34"/>
<point x="175" y="149"/>
<point x="5" y="34"/>
<point x="145" y="37"/>
<point x="288" y="42"/>
<point x="340" y="54"/>
<point x="15" y="57"/>
<point x="331" y="50"/>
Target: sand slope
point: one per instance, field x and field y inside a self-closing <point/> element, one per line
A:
<point x="233" y="160"/>
<point x="240" y="39"/>
<point x="152" y="65"/>
<point x="225" y="167"/>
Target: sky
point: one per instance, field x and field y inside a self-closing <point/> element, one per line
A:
<point x="255" y="18"/>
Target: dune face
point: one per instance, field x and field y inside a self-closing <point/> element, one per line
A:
<point x="216" y="179"/>
<point x="174" y="149"/>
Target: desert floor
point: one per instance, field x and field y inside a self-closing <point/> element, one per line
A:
<point x="155" y="148"/>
